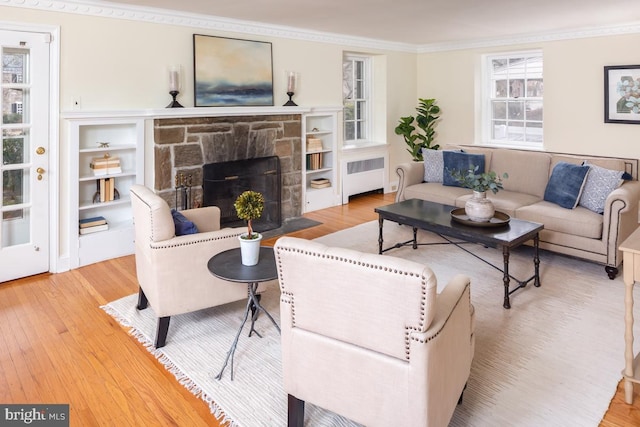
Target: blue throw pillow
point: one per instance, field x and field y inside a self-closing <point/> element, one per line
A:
<point x="566" y="184"/>
<point x="182" y="224"/>
<point x="461" y="162"/>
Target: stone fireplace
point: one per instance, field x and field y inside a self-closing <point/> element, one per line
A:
<point x="185" y="145"/>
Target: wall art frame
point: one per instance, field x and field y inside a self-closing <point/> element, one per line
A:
<point x="622" y="94"/>
<point x="232" y="72"/>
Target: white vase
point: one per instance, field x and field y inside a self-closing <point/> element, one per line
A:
<point x="479" y="208"/>
<point x="250" y="249"/>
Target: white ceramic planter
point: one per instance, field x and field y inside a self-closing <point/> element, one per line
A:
<point x="250" y="249"/>
<point x="479" y="208"/>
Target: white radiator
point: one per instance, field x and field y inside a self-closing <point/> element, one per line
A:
<point x="362" y="175"/>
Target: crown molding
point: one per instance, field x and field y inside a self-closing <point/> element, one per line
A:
<point x="107" y="9"/>
<point x="632" y="28"/>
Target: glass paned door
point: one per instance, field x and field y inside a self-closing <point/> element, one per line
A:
<point x="24" y="84"/>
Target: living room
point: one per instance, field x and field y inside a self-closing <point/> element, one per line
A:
<point x="115" y="60"/>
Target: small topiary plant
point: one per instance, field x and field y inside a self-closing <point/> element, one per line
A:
<point x="249" y="206"/>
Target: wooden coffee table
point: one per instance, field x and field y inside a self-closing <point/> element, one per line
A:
<point x="436" y="217"/>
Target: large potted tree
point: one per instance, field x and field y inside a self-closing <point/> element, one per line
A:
<point x="426" y="120"/>
<point x="249" y="206"/>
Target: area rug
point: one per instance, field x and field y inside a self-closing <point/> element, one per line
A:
<point x="553" y="359"/>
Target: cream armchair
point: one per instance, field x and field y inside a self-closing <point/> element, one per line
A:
<point x="172" y="270"/>
<point x="367" y="337"/>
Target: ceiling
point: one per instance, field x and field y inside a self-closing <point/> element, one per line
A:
<point x="418" y="22"/>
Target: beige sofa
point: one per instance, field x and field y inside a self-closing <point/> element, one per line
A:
<point x="367" y="336"/>
<point x="578" y="232"/>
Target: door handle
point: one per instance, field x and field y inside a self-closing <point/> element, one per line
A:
<point x="40" y="171"/>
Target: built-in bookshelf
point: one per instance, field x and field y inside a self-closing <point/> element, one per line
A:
<point x="106" y="159"/>
<point x="319" y="148"/>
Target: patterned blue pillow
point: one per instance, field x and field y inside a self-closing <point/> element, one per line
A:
<point x="566" y="184"/>
<point x="182" y="224"/>
<point x="599" y="184"/>
<point x="433" y="164"/>
<point x="461" y="162"/>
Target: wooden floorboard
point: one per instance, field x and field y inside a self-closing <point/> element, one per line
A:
<point x="58" y="346"/>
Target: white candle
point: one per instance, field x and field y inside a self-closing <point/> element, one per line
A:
<point x="174" y="79"/>
<point x="291" y="82"/>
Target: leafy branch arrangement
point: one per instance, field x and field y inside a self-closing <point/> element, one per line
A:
<point x="480" y="182"/>
<point x="249" y="206"/>
<point x="426" y="120"/>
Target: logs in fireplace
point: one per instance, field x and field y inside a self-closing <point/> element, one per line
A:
<point x="223" y="182"/>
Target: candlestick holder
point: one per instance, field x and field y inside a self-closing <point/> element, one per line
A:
<point x="174" y="103"/>
<point x="290" y="102"/>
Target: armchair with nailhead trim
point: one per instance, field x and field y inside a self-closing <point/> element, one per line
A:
<point x="172" y="270"/>
<point x="368" y="337"/>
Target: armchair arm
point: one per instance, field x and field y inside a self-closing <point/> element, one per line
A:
<point x="409" y="173"/>
<point x="620" y="218"/>
<point x="206" y="218"/>
<point x="441" y="356"/>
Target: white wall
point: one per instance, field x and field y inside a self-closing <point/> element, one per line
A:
<point x="117" y="64"/>
<point x="573" y="94"/>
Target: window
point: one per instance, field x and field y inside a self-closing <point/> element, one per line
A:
<point x="514" y="99"/>
<point x="356" y="94"/>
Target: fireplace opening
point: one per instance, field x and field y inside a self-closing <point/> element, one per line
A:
<point x="223" y="182"/>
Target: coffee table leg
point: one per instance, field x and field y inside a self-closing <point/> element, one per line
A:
<point x="415" y="238"/>
<point x="380" y="222"/>
<point x="536" y="261"/>
<point x="505" y="277"/>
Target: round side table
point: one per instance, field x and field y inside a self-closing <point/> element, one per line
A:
<point x="228" y="265"/>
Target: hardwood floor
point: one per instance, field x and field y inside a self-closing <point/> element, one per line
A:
<point x="58" y="346"/>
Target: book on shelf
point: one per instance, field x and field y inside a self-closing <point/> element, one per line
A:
<point x="314" y="161"/>
<point x="106" y="189"/>
<point x="94" y="229"/>
<point x="314" y="144"/>
<point x="105" y="165"/>
<point x="320" y="183"/>
<point x="93" y="221"/>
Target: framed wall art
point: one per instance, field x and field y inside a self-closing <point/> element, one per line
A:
<point x="232" y="72"/>
<point x="622" y="94"/>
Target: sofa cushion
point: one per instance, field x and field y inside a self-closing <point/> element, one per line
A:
<point x="599" y="184"/>
<point x="462" y="162"/>
<point x="435" y="192"/>
<point x="579" y="221"/>
<point x="566" y="184"/>
<point x="504" y="201"/>
<point x="182" y="225"/>
<point x="528" y="170"/>
<point x="433" y="164"/>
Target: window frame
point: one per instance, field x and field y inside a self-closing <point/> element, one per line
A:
<point x="488" y="99"/>
<point x="365" y="118"/>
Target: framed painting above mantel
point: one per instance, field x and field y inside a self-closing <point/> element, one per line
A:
<point x="622" y="94"/>
<point x="232" y="72"/>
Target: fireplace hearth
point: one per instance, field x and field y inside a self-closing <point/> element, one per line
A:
<point x="223" y="182"/>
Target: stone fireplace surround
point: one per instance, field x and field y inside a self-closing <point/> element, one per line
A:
<point x="185" y="144"/>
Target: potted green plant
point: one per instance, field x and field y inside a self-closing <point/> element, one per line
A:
<point x="478" y="208"/>
<point x="249" y="206"/>
<point x="426" y="120"/>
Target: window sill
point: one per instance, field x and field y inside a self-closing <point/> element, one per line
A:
<point x="362" y="144"/>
